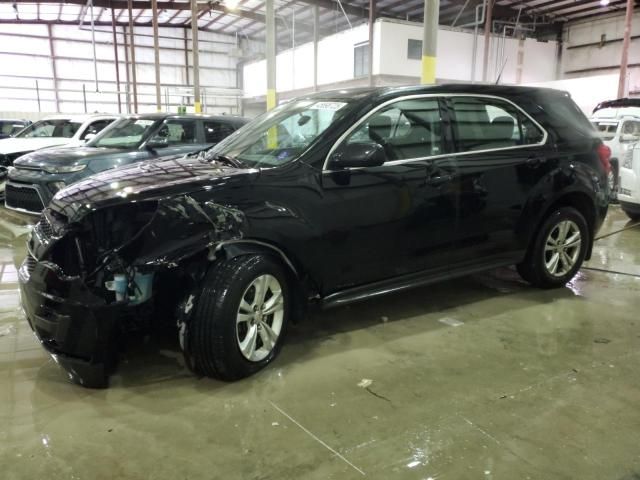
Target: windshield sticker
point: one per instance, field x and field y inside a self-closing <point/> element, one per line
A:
<point x="335" y="106"/>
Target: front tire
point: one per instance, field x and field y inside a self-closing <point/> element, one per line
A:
<point x="241" y="317"/>
<point x="558" y="249"/>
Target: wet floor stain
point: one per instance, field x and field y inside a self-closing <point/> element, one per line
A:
<point x="483" y="378"/>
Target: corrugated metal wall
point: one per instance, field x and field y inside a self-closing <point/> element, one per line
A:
<point x="27" y="84"/>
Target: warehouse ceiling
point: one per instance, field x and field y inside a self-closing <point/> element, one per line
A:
<point x="294" y="19"/>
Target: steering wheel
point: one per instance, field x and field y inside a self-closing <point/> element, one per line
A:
<point x="389" y="149"/>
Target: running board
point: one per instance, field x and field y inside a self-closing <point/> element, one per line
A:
<point x="405" y="282"/>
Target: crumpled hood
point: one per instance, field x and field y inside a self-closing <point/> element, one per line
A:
<point x="17" y="145"/>
<point x="66" y="156"/>
<point x="149" y="180"/>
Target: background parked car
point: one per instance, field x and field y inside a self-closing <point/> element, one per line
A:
<point x="9" y="128"/>
<point x="37" y="177"/>
<point x="629" y="191"/>
<point x="50" y="132"/>
<point x="618" y="122"/>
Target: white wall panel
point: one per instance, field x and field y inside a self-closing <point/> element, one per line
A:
<point x="336" y="58"/>
<point x="584" y="55"/>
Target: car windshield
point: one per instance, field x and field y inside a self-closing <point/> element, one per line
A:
<point x="281" y="135"/>
<point x="8" y="127"/>
<point x="607" y="130"/>
<point x="51" y="128"/>
<point x="126" y="133"/>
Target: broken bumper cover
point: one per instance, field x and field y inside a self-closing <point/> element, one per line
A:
<point x="75" y="326"/>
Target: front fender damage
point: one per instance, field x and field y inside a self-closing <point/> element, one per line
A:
<point x="182" y="227"/>
<point x="136" y="267"/>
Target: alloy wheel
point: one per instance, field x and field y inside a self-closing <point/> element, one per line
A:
<point x="562" y="248"/>
<point x="260" y="318"/>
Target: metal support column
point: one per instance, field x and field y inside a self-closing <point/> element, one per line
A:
<point x="622" y="82"/>
<point x="271" y="54"/>
<point x="316" y="38"/>
<point x="196" y="60"/>
<point x="133" y="57"/>
<point x="487" y="39"/>
<point x="156" y="52"/>
<point x="186" y="57"/>
<point x="126" y="67"/>
<point x="372" y="17"/>
<point x="54" y="71"/>
<point x="115" y="57"/>
<point x="430" y="40"/>
<point x="93" y="45"/>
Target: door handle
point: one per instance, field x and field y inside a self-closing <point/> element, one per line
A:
<point x="535" y="161"/>
<point x="439" y="179"/>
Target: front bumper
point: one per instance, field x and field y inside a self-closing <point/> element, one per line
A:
<point x="78" y="328"/>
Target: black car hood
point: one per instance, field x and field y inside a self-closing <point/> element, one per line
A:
<point x="67" y="156"/>
<point x="149" y="180"/>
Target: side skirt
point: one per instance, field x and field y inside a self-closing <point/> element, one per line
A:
<point x="406" y="282"/>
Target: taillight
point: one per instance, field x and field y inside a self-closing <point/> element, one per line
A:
<point x="604" y="154"/>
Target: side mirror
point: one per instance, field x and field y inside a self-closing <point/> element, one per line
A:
<point x="355" y="155"/>
<point x="156" y="143"/>
<point x="89" y="136"/>
<point x="628" y="137"/>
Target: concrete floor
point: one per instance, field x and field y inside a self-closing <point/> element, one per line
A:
<point x="479" y="378"/>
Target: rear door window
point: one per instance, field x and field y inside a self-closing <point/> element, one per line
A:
<point x="177" y="131"/>
<point x="489" y="124"/>
<point x="215" y="131"/>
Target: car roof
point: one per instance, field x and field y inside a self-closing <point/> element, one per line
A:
<point x="81" y="118"/>
<point x="359" y="93"/>
<point x="618" y="103"/>
<point x="161" y="116"/>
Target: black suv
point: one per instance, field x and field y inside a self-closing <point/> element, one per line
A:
<point x="332" y="198"/>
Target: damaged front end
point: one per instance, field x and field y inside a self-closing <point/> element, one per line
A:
<point x="90" y="278"/>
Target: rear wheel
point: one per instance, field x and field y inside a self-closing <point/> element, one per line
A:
<point x="558" y="249"/>
<point x="241" y="317"/>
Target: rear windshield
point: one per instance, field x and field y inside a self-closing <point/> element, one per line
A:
<point x="51" y="128"/>
<point x="607" y="130"/>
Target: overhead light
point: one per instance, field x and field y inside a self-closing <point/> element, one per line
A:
<point x="604" y="3"/>
<point x="231" y="4"/>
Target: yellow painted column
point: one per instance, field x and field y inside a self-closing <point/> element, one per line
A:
<point x="430" y="41"/>
<point x="428" y="76"/>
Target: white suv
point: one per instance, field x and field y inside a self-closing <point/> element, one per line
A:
<point x="54" y="131"/>
<point x="618" y="122"/>
<point x="629" y="182"/>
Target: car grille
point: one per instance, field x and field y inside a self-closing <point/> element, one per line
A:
<point x="45" y="227"/>
<point x="30" y="263"/>
<point x="25" y="198"/>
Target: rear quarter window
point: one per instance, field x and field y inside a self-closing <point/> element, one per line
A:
<point x="565" y="118"/>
